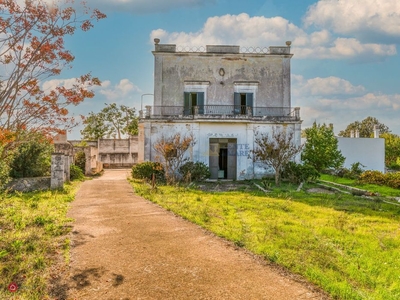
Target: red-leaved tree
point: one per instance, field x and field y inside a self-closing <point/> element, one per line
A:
<point x="32" y="50"/>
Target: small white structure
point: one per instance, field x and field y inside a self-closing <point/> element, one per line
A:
<point x="222" y="95"/>
<point x="370" y="152"/>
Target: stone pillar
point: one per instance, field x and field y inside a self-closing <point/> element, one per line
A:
<point x="148" y="111"/>
<point x="57" y="171"/>
<point x="297" y="113"/>
<point x="196" y="110"/>
<point x="67" y="170"/>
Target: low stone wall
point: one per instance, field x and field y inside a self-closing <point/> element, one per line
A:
<point x="29" y="184"/>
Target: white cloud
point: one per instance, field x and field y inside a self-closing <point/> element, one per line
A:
<point x="324" y="86"/>
<point x="370" y="20"/>
<point x="338" y="101"/>
<point x="118" y="91"/>
<point x="249" y="31"/>
<point x="52" y="84"/>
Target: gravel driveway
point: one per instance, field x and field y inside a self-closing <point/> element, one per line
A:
<point x="125" y="247"/>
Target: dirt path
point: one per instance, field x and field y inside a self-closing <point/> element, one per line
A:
<point x="125" y="247"/>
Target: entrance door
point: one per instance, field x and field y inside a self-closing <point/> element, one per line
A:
<point x="222" y="158"/>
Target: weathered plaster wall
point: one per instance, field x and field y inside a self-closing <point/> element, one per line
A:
<point x="271" y="73"/>
<point x="241" y="131"/>
<point x="368" y="151"/>
<point x="114" y="153"/>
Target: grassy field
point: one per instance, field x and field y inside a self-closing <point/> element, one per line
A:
<point x="33" y="228"/>
<point x="347" y="245"/>
<point x="381" y="190"/>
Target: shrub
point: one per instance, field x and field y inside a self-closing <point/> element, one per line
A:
<point x="194" y="171"/>
<point x="76" y="173"/>
<point x="373" y="177"/>
<point x="354" y="172"/>
<point x="4" y="168"/>
<point x="145" y="170"/>
<point x="80" y="160"/>
<point x="32" y="157"/>
<point x="393" y="180"/>
<point x="297" y="173"/>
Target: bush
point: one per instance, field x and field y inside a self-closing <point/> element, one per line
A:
<point x="32" y="157"/>
<point x="393" y="180"/>
<point x="145" y="170"/>
<point x="76" y="173"/>
<point x="354" y="172"/>
<point x="4" y="168"/>
<point x="297" y="173"/>
<point x="80" y="160"/>
<point x="194" y="171"/>
<point x="373" y="177"/>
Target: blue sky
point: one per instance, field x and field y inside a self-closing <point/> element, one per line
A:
<point x="345" y="67"/>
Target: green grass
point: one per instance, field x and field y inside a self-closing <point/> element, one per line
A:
<point x="349" y="246"/>
<point x="33" y="228"/>
<point x="381" y="190"/>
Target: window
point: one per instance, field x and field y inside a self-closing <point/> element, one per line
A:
<point x="192" y="99"/>
<point x="242" y="101"/>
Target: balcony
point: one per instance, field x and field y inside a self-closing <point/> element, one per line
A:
<point x="240" y="112"/>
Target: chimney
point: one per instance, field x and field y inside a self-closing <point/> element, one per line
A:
<point x="376" y="131"/>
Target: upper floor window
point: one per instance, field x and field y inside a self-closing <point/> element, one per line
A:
<point x="243" y="103"/>
<point x="191" y="100"/>
<point x="195" y="95"/>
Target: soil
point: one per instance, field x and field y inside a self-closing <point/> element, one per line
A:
<point x="125" y="247"/>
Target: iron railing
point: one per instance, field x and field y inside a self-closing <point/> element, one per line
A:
<point x="222" y="111"/>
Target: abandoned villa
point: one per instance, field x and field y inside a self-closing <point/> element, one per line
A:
<point x="222" y="95"/>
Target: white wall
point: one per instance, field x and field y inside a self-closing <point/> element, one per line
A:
<point x="203" y="131"/>
<point x="368" y="151"/>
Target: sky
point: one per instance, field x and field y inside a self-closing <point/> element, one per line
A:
<point x="345" y="67"/>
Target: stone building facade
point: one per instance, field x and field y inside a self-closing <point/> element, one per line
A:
<point x="224" y="96"/>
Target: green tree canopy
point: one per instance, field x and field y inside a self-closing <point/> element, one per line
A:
<point x="365" y="128"/>
<point x="392" y="148"/>
<point x="321" y="148"/>
<point x="111" y="121"/>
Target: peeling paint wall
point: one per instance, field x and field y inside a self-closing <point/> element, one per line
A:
<point x="271" y="74"/>
<point x="242" y="132"/>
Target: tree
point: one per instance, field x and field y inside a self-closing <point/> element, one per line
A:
<point x="275" y="150"/>
<point x="32" y="50"/>
<point x="392" y="149"/>
<point x="321" y="148"/>
<point x="365" y="128"/>
<point x="110" y="121"/>
<point x="95" y="127"/>
<point x="171" y="153"/>
<point x="32" y="157"/>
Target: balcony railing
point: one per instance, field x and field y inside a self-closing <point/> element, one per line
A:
<point x="222" y="111"/>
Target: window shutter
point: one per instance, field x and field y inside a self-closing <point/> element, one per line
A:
<point x="200" y="102"/>
<point x="249" y="99"/>
<point x="186" y="104"/>
<point x="237" y="103"/>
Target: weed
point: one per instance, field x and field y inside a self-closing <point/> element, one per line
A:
<point x="345" y="244"/>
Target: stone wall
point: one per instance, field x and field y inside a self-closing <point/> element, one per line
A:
<point x="29" y="184"/>
<point x="114" y="153"/>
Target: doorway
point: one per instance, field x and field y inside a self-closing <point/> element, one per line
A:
<point x="222" y="158"/>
